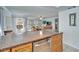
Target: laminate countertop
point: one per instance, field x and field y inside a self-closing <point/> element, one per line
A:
<point x="12" y="40"/>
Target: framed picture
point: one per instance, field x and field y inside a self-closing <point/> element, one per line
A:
<point x="72" y="19"/>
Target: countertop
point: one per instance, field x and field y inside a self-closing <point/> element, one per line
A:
<point x="12" y="40"/>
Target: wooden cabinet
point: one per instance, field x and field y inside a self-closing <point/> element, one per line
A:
<point x="56" y="43"/>
<point x="6" y="50"/>
<point x="23" y="48"/>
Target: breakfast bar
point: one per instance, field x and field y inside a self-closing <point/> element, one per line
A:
<point x="25" y="42"/>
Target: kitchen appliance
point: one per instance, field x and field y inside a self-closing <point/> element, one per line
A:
<point x="42" y="45"/>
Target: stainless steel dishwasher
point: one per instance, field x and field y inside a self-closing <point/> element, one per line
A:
<point x="42" y="46"/>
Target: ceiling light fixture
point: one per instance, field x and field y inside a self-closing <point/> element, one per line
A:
<point x="41" y="17"/>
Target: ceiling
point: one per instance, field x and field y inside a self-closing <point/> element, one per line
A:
<point x="36" y="11"/>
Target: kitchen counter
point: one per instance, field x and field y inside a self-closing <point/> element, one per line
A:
<point x="12" y="40"/>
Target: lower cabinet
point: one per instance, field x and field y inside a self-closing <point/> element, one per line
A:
<point x="6" y="50"/>
<point x="56" y="43"/>
<point x="23" y="48"/>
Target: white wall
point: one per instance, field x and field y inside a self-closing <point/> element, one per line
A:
<point x="71" y="33"/>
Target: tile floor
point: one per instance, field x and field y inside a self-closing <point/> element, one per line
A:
<point x="68" y="48"/>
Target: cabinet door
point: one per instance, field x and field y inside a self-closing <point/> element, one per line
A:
<point x="7" y="50"/>
<point x="23" y="48"/>
<point x="56" y="43"/>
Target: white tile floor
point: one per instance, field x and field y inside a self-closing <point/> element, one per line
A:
<point x="68" y="48"/>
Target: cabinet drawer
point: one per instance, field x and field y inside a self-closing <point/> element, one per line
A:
<point x="23" y="48"/>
